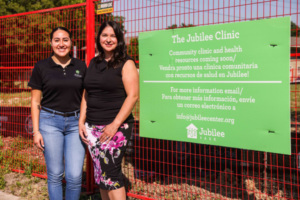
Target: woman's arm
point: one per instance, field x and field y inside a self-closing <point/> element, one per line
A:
<point x="130" y="78"/>
<point x="36" y="96"/>
<point x="82" y="130"/>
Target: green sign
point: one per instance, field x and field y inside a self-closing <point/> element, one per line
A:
<point x="224" y="85"/>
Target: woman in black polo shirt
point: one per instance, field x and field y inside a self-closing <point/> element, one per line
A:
<point x="111" y="85"/>
<point x="59" y="80"/>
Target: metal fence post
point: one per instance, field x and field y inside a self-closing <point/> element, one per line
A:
<point x="90" y="30"/>
<point x="90" y="53"/>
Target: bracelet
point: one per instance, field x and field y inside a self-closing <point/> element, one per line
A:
<point x="36" y="132"/>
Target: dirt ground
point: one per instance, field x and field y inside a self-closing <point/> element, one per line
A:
<point x="27" y="187"/>
<point x="33" y="188"/>
<point x="224" y="184"/>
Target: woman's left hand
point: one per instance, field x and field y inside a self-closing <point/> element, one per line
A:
<point x="108" y="132"/>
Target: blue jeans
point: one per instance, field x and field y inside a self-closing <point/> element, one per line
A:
<point x="64" y="152"/>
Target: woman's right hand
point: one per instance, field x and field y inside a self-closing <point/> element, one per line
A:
<point x="83" y="134"/>
<point x="38" y="140"/>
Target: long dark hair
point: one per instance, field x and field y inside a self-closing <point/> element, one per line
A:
<point x="120" y="53"/>
<point x="64" y="29"/>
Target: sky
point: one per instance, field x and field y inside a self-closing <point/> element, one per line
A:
<point x="149" y="15"/>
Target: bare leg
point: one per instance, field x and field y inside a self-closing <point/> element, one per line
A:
<point x="104" y="194"/>
<point x="118" y="194"/>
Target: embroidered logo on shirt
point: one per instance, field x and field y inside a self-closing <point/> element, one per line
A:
<point x="77" y="74"/>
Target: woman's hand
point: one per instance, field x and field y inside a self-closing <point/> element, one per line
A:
<point x="38" y="140"/>
<point x="83" y="134"/>
<point x="108" y="132"/>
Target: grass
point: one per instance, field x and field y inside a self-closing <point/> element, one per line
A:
<point x="1" y="142"/>
<point x="2" y="182"/>
<point x="15" y="156"/>
<point x="3" y="170"/>
<point x="15" y="99"/>
<point x="19" y="143"/>
<point x="20" y="185"/>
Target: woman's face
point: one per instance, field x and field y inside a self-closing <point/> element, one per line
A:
<point x="108" y="40"/>
<point x="61" y="43"/>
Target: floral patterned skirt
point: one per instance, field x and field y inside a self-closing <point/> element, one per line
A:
<point x="107" y="157"/>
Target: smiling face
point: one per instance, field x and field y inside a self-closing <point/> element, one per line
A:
<point x="61" y="43"/>
<point x="108" y="40"/>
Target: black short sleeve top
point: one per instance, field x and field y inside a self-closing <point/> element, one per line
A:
<point x="105" y="92"/>
<point x="61" y="87"/>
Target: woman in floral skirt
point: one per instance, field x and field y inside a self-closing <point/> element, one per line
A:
<point x="105" y="124"/>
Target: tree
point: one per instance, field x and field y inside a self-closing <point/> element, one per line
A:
<point x="294" y="30"/>
<point x="24" y="35"/>
<point x="133" y="48"/>
<point x="104" y="17"/>
<point x="183" y="25"/>
<point x="28" y="36"/>
<point x="8" y="7"/>
<point x="25" y="39"/>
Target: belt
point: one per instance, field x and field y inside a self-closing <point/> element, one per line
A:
<point x="67" y="114"/>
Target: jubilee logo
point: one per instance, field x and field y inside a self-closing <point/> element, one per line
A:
<point x="77" y="74"/>
<point x="204" y="133"/>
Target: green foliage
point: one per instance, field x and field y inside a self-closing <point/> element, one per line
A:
<point x="133" y="48"/>
<point x="28" y="169"/>
<point x="19" y="6"/>
<point x="1" y="142"/>
<point x="18" y="184"/>
<point x="294" y="29"/>
<point x="2" y="182"/>
<point x="38" y="167"/>
<point x="183" y="25"/>
<point x="13" y="158"/>
<point x="30" y="33"/>
<point x="27" y="36"/>
<point x="36" y="180"/>
<point x="3" y="170"/>
<point x="19" y="143"/>
<point x="106" y="17"/>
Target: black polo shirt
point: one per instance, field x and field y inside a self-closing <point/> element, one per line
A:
<point x="61" y="87"/>
<point x="105" y="92"/>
